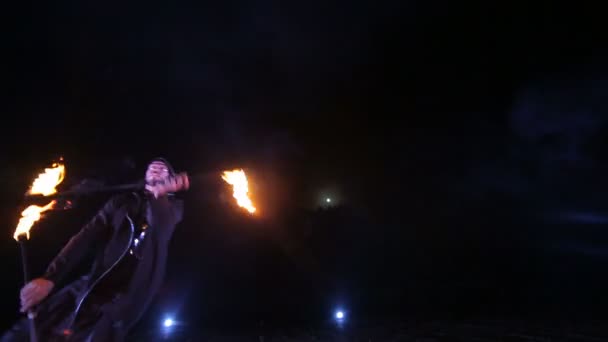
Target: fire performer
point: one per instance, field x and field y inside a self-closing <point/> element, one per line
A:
<point x="128" y="239"/>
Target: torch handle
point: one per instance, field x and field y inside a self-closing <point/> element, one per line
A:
<point x="24" y="262"/>
<point x="32" y="323"/>
<point x="31" y="315"/>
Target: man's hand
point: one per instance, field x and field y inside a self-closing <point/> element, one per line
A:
<point x="172" y="184"/>
<point x="34" y="292"/>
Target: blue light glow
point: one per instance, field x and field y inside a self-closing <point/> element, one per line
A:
<point x="168" y="322"/>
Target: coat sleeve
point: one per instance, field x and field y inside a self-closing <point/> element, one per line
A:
<point x="89" y="237"/>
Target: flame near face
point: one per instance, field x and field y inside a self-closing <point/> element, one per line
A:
<point x="44" y="185"/>
<point x="240" y="186"/>
<point x="46" y="182"/>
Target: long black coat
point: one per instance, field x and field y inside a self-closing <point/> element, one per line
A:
<point x="109" y="235"/>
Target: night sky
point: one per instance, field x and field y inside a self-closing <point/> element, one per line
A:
<point x="462" y="145"/>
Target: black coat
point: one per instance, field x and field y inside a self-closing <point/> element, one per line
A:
<point x="109" y="235"/>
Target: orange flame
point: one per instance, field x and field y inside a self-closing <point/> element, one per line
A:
<point x="29" y="216"/>
<point x="44" y="185"/>
<point x="240" y="187"/>
<point x="46" y="182"/>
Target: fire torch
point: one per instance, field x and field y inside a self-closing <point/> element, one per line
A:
<point x="43" y="185"/>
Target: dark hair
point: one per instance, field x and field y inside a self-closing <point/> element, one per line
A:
<point x="164" y="161"/>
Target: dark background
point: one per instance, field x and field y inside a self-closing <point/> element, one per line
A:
<point x="462" y="144"/>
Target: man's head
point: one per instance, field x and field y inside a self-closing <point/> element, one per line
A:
<point x="158" y="169"/>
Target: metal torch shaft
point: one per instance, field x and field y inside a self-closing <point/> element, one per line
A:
<point x="24" y="264"/>
<point x="200" y="177"/>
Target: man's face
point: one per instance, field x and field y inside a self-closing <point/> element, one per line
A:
<point x="156" y="171"/>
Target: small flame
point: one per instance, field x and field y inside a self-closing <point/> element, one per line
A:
<point x="28" y="217"/>
<point x="238" y="180"/>
<point x="46" y="182"/>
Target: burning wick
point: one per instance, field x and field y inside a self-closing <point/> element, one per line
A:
<point x="29" y="216"/>
<point x="240" y="186"/>
<point x="46" y="182"/>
